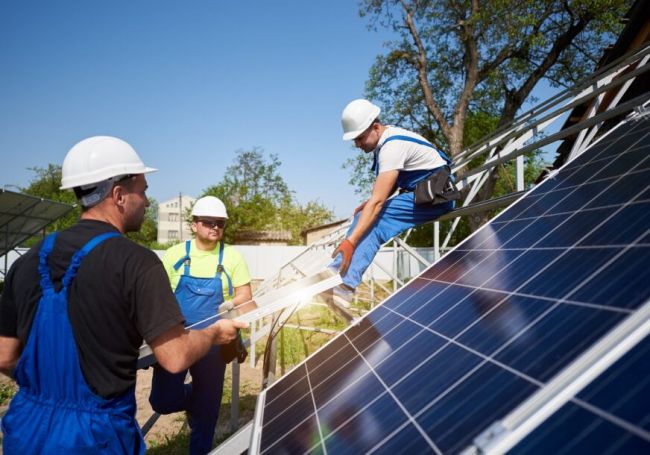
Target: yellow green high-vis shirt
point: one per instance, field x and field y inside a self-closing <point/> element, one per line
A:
<point x="203" y="264"/>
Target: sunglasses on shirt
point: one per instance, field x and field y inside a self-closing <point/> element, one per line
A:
<point x="213" y="223"/>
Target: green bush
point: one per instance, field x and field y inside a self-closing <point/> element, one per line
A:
<point x="7" y="392"/>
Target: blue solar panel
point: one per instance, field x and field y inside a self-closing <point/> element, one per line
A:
<point x="489" y="325"/>
<point x="611" y="415"/>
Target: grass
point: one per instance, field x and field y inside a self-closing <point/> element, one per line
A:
<point x="294" y="346"/>
<point x="179" y="442"/>
<point x="7" y="392"/>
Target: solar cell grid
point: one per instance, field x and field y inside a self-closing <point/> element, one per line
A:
<point x="487" y="326"/>
<point x="612" y="415"/>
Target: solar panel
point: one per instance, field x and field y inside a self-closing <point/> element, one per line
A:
<point x="490" y="325"/>
<point x="22" y="216"/>
<point x="611" y="415"/>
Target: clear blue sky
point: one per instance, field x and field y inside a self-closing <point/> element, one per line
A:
<point x="187" y="84"/>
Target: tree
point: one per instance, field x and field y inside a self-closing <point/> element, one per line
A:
<point x="257" y="198"/>
<point x="456" y="58"/>
<point x="46" y="184"/>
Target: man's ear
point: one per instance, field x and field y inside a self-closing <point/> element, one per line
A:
<point x="119" y="194"/>
<point x="194" y="227"/>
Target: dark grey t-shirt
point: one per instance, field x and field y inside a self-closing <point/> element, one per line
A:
<point x="120" y="296"/>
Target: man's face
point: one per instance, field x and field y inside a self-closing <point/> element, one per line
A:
<point x="368" y="140"/>
<point x="208" y="229"/>
<point x="136" y="203"/>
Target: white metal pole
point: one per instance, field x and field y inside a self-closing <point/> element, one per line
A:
<point x="436" y="241"/>
<point x="519" y="172"/>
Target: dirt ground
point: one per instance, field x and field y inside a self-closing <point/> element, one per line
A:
<point x="168" y="435"/>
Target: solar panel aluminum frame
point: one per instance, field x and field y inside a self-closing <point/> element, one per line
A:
<point x="24" y="215"/>
<point x="254" y="447"/>
<point x="619" y="330"/>
<point x="505" y="434"/>
<point x="277" y="300"/>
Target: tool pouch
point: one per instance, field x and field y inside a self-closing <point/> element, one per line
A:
<point x="438" y="188"/>
<point x="234" y="350"/>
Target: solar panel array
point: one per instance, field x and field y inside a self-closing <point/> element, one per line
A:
<point x="22" y="216"/>
<point x="612" y="415"/>
<point x="467" y="341"/>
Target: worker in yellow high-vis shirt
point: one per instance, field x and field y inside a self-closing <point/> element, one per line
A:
<point x="204" y="273"/>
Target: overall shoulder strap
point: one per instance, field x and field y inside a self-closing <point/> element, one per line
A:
<point x="221" y="270"/>
<point x="185" y="260"/>
<point x="82" y="253"/>
<point x="43" y="269"/>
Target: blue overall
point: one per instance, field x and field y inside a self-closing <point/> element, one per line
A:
<point x="198" y="298"/>
<point x="55" y="412"/>
<point x="398" y="214"/>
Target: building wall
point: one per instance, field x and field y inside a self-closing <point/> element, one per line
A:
<point x="315" y="234"/>
<point x="264" y="261"/>
<point x="171" y="219"/>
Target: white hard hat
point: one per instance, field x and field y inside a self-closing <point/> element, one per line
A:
<point x="209" y="206"/>
<point x="357" y="117"/>
<point x="97" y="159"/>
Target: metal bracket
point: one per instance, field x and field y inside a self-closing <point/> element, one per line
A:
<point x="486" y="439"/>
<point x="641" y="112"/>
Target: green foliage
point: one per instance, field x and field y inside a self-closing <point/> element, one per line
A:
<point x="497" y="49"/>
<point x="45" y="184"/>
<point x="361" y="175"/>
<point x="457" y="69"/>
<point x="257" y="198"/>
<point x="7" y="392"/>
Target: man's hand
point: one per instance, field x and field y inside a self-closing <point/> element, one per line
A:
<point x="10" y="350"/>
<point x="360" y="207"/>
<point x="227" y="330"/>
<point x="177" y="348"/>
<point x="346" y="250"/>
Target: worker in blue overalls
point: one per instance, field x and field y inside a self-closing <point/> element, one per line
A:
<point x="402" y="159"/>
<point x="204" y="272"/>
<point x="76" y="308"/>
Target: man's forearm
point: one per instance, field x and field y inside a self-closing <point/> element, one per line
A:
<point x="178" y="348"/>
<point x="366" y="220"/>
<point x="10" y="350"/>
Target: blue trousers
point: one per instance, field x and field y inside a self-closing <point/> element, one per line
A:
<point x="201" y="399"/>
<point x="398" y="214"/>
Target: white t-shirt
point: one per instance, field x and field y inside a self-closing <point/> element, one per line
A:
<point x="405" y="155"/>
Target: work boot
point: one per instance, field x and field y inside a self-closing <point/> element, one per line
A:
<point x="343" y="294"/>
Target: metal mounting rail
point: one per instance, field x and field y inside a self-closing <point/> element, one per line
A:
<point x="505" y="434"/>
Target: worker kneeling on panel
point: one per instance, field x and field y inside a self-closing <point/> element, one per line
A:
<point x="403" y="161"/>
<point x="203" y="272"/>
<point x="76" y="308"/>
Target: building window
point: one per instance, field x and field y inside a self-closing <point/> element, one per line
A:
<point x="172" y="235"/>
<point x="173" y="217"/>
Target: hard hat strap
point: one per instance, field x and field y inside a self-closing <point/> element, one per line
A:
<point x="92" y="194"/>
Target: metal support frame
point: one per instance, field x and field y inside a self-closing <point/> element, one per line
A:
<point x="505" y="434"/>
<point x="525" y="134"/>
<point x="234" y="396"/>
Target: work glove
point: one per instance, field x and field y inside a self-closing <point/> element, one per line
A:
<point x="346" y="250"/>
